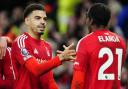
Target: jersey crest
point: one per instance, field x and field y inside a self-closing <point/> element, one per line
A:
<point x="35" y="51"/>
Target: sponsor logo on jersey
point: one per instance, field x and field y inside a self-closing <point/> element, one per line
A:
<point x="39" y="61"/>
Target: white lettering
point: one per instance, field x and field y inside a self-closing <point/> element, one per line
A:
<point x="108" y="39"/>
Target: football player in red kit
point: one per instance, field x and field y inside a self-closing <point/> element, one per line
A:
<point x="7" y="74"/>
<point x="99" y="55"/>
<point x="32" y="56"/>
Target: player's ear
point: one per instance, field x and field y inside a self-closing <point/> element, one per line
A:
<point x="26" y="21"/>
<point x="91" y="21"/>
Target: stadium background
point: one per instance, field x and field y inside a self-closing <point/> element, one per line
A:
<point x="66" y="24"/>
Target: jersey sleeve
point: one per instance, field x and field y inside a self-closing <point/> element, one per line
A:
<point x="20" y="50"/>
<point x="6" y="76"/>
<point x="78" y="82"/>
<point x="81" y="57"/>
<point x="8" y="66"/>
<point x="80" y="66"/>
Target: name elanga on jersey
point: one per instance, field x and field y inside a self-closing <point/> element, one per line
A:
<point x="108" y="38"/>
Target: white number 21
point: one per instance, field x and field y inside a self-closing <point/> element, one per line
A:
<point x="108" y="52"/>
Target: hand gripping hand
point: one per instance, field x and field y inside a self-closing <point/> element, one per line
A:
<point x="68" y="54"/>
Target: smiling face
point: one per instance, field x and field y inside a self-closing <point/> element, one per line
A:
<point x="36" y="22"/>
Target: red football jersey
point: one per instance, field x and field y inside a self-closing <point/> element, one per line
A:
<point x="7" y="74"/>
<point x="24" y="47"/>
<point x="100" y="56"/>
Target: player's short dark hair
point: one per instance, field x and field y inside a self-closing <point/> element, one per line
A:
<point x="32" y="7"/>
<point x="100" y="14"/>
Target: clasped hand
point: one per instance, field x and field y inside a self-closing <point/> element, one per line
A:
<point x="68" y="54"/>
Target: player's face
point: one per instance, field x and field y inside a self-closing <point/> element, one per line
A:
<point x="37" y="21"/>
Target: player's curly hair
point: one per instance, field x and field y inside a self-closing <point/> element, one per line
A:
<point x="32" y="7"/>
<point x="100" y="14"/>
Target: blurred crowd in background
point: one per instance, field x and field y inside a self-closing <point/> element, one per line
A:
<point x="66" y="24"/>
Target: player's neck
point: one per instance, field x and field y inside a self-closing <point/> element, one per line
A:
<point x="94" y="28"/>
<point x="33" y="35"/>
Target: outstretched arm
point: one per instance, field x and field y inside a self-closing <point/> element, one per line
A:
<point x="38" y="69"/>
